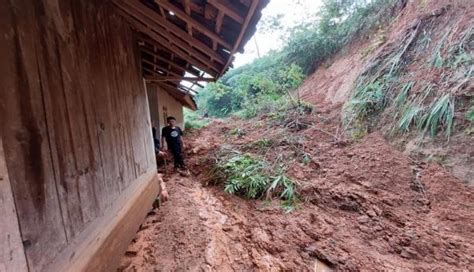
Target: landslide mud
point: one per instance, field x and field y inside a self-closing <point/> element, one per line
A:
<point x="364" y="206"/>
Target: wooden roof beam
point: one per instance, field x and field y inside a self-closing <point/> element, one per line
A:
<point x="179" y="78"/>
<point x="189" y="90"/>
<point x="187" y="6"/>
<point x="250" y="14"/>
<point x="187" y="9"/>
<point x="189" y="20"/>
<point x="171" y="89"/>
<point x="152" y="19"/>
<point x="149" y="71"/>
<point x="172" y="47"/>
<point x="218" y="27"/>
<point x="156" y="66"/>
<point x="169" y="62"/>
<point x="225" y="6"/>
<point x="219" y="20"/>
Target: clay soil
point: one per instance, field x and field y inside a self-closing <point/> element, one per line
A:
<point x="363" y="206"/>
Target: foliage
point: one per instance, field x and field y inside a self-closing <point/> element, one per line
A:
<point x="440" y="112"/>
<point x="253" y="85"/>
<point x="337" y="23"/>
<point x="192" y="120"/>
<point x="470" y="114"/>
<point x="427" y="105"/>
<point x="245" y="176"/>
<point x="259" y="86"/>
<point x="260" y="144"/>
<point x="252" y="177"/>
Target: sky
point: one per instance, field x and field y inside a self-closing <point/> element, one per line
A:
<point x="291" y="11"/>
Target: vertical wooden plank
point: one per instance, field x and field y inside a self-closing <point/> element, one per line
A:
<point x="76" y="121"/>
<point x="24" y="135"/>
<point x="12" y="255"/>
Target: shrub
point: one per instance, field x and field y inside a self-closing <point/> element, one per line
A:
<point x="470" y="114"/>
<point x="192" y="120"/>
<point x="441" y="113"/>
<point x="252" y="177"/>
<point x="254" y="87"/>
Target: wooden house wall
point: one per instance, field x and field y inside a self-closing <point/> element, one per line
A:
<point x="74" y="117"/>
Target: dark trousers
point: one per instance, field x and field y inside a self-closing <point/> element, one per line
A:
<point x="178" y="157"/>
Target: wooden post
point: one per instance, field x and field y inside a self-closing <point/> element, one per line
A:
<point x="12" y="254"/>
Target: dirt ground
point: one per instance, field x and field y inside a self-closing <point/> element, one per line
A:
<point x="363" y="206"/>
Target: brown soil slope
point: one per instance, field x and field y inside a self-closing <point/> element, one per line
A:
<point x="363" y="206"/>
<point x="332" y="83"/>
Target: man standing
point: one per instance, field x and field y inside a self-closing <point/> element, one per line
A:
<point x="174" y="140"/>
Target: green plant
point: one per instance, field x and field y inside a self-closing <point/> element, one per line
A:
<point x="239" y="132"/>
<point x="261" y="144"/>
<point x="402" y="96"/>
<point x="441" y="113"/>
<point x="367" y="99"/>
<point x="338" y="22"/>
<point x="257" y="87"/>
<point x="283" y="186"/>
<point x="245" y="176"/>
<point x="192" y="120"/>
<point x="409" y="117"/>
<point x="306" y="159"/>
<point x="470" y="114"/>
<point x="252" y="177"/>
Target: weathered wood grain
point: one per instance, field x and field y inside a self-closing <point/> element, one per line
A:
<point x="75" y="118"/>
<point x="12" y="255"/>
<point x="26" y="146"/>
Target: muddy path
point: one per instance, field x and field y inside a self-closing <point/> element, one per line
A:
<point x="363" y="206"/>
<point x="202" y="229"/>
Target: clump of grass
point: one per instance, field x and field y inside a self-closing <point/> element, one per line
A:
<point x="260" y="144"/>
<point x="376" y="82"/>
<point x="441" y="113"/>
<point x="252" y="177"/>
<point x="192" y="120"/>
<point x="195" y="124"/>
<point x="378" y="89"/>
<point x="239" y="132"/>
<point x="470" y="114"/>
<point x="460" y="53"/>
<point x="245" y="176"/>
<point x="409" y="117"/>
<point x="402" y="96"/>
<point x="367" y="100"/>
<point x="437" y="60"/>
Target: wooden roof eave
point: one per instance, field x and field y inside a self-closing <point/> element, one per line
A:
<point x="176" y="43"/>
<point x="196" y="59"/>
<point x="250" y="14"/>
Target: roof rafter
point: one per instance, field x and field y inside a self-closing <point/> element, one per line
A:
<point x="179" y="78"/>
<point x="202" y="65"/>
<point x="175" y="31"/>
<point x="169" y="62"/>
<point x="189" y="41"/>
<point x="193" y="23"/>
<point x="171" y="40"/>
<point x="252" y="9"/>
<point x="224" y="6"/>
